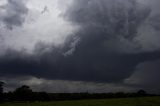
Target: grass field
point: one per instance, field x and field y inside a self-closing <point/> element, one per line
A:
<point x="144" y="101"/>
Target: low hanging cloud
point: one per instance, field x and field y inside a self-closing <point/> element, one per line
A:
<point x="146" y="76"/>
<point x="101" y="41"/>
<point x="63" y="86"/>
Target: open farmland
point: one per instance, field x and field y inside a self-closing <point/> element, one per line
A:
<point x="141" y="101"/>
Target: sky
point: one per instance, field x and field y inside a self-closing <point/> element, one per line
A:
<point x="80" y="45"/>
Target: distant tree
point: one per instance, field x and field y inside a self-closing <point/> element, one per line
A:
<point x="120" y="94"/>
<point x="43" y="96"/>
<point x="1" y="91"/>
<point x="142" y="92"/>
<point x="23" y="89"/>
<point x="1" y="87"/>
<point x="23" y="93"/>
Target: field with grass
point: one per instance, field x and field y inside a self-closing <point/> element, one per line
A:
<point x="141" y="101"/>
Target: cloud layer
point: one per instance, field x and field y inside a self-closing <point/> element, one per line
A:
<point x="80" y="40"/>
<point x="13" y="13"/>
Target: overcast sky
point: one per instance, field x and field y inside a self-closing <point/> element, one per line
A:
<point x="80" y="45"/>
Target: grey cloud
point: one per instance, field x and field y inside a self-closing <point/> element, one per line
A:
<point x="146" y="76"/>
<point x="155" y="21"/>
<point x="13" y="13"/>
<point x="59" y="86"/>
<point x="45" y="10"/>
<point x="115" y="21"/>
<point x="82" y="65"/>
<point x="104" y="49"/>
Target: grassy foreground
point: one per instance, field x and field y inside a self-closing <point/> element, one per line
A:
<point x="143" y="101"/>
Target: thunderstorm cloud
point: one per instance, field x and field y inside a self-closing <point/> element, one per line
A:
<point x="104" y="43"/>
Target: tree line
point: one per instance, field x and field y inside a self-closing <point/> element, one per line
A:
<point x="25" y="93"/>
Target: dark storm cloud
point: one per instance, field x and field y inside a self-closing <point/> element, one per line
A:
<point x="102" y="50"/>
<point x="155" y="21"/>
<point x="13" y="13"/>
<point x="112" y="23"/>
<point x="146" y="76"/>
<point x="80" y="66"/>
<point x="61" y="86"/>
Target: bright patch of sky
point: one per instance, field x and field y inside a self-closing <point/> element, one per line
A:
<point x="43" y="23"/>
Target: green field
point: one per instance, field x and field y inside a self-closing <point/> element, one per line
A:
<point x="145" y="101"/>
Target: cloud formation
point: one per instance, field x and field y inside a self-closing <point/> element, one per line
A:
<point x="13" y="13"/>
<point x="98" y="41"/>
<point x="61" y="86"/>
<point x="33" y="27"/>
<point x="146" y="76"/>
